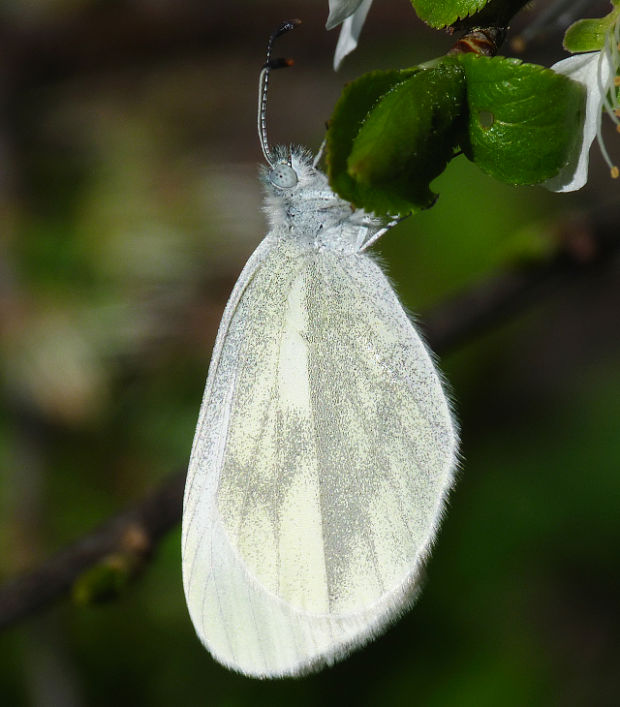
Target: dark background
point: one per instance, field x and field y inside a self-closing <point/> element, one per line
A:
<point x="128" y="205"/>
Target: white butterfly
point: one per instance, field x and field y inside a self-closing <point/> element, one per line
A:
<point x="325" y="447"/>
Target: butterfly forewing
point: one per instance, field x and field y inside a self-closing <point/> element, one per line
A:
<point x="323" y="454"/>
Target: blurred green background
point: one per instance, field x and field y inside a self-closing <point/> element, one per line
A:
<point x="128" y="206"/>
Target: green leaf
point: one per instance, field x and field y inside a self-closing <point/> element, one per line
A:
<point x="589" y="35"/>
<point x="350" y="112"/>
<point x="440" y="13"/>
<point x="524" y="120"/>
<point x="407" y="140"/>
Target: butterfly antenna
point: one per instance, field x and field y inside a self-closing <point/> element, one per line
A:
<point x="263" y="84"/>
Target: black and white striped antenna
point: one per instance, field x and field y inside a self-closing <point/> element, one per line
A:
<point x="263" y="85"/>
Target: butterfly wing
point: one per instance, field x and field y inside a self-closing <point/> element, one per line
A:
<point x="324" y="451"/>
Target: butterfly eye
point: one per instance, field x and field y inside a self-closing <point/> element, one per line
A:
<point x="283" y="176"/>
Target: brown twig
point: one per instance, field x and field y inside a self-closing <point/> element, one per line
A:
<point x="496" y="13"/>
<point x="150" y="519"/>
<point x="585" y="250"/>
<point x="485" y="31"/>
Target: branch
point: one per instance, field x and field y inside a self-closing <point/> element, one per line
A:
<point x="496" y="13"/>
<point x="586" y="251"/>
<point x="136" y="530"/>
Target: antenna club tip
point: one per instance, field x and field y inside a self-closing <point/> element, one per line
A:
<point x="278" y="63"/>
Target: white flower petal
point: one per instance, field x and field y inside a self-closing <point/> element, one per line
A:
<point x="583" y="68"/>
<point x="350" y="32"/>
<point x="339" y="10"/>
